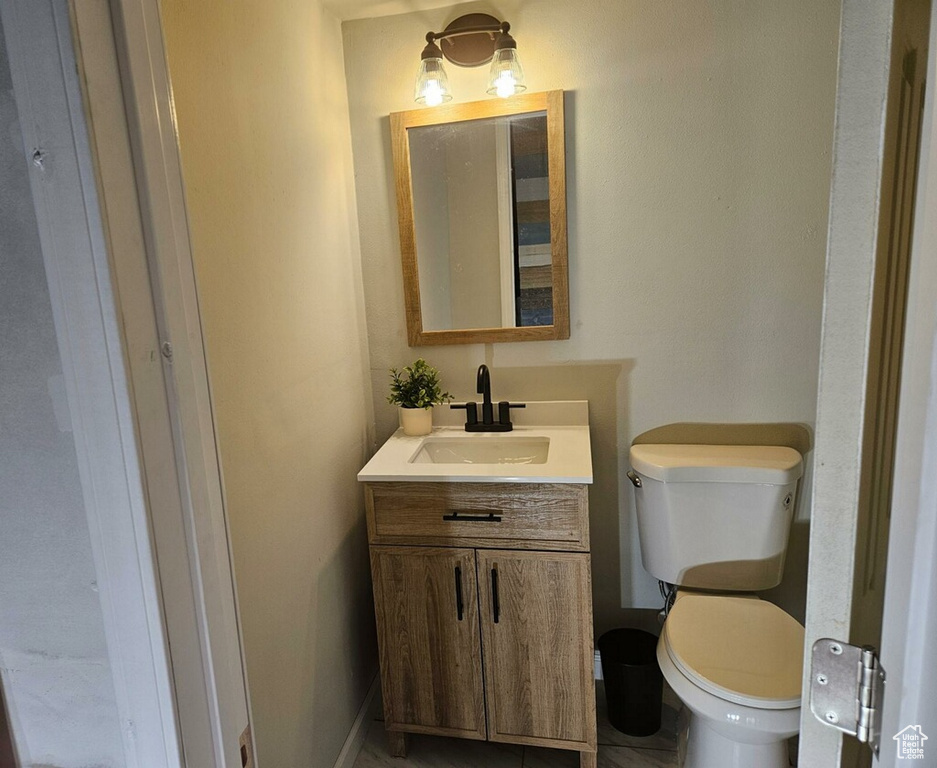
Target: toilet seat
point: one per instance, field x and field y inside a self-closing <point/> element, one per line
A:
<point x="741" y="649"/>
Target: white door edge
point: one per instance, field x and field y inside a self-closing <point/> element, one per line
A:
<point x="855" y="195"/>
<point x="506" y="246"/>
<point x="909" y="633"/>
<point x="88" y="333"/>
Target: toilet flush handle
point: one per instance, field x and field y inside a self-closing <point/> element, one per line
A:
<point x="635" y="480"/>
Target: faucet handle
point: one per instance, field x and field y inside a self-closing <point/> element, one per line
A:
<point x="504" y="411"/>
<point x="471" y="412"/>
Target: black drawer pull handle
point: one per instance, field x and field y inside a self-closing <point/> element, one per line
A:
<point x="495" y="600"/>
<point x="461" y="517"/>
<point x="458" y="592"/>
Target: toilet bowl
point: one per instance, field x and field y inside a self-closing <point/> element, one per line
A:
<point x="715" y="521"/>
<point x="736" y="664"/>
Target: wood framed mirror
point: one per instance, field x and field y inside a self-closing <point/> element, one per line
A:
<point x="481" y="205"/>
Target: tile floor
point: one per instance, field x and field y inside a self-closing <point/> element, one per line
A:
<point x="616" y="750"/>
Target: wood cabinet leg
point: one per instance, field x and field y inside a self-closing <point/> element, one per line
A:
<point x="588" y="760"/>
<point x="397" y="743"/>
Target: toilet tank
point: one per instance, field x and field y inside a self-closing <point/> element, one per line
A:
<point x="715" y="517"/>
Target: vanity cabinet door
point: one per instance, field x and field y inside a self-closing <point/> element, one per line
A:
<point x="427" y="621"/>
<point x="537" y="637"/>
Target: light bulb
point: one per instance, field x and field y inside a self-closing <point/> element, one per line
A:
<point x="505" y="85"/>
<point x="432" y="93"/>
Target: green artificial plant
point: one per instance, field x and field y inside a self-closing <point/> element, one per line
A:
<point x="416" y="386"/>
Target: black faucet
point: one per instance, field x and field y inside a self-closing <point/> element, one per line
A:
<point x="487" y="424"/>
<point x="483" y="387"/>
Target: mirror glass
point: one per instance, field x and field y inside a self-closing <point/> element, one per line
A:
<point x="481" y="204"/>
<point x="481" y="215"/>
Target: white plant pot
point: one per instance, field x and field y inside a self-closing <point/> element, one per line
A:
<point x="416" y="421"/>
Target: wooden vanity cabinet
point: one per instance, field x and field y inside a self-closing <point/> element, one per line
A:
<point x="431" y="657"/>
<point x="483" y="599"/>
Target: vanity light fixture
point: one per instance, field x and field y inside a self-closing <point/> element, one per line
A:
<point x="469" y="41"/>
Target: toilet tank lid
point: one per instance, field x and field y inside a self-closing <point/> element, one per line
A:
<point x="677" y="463"/>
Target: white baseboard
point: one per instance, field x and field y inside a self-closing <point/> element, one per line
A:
<point x="355" y="741"/>
<point x="598" y="666"/>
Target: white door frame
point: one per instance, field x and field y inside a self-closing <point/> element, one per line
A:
<point x="865" y="57"/>
<point x="506" y="248"/>
<point x="128" y="96"/>
<point x="100" y="394"/>
<point x="862" y="87"/>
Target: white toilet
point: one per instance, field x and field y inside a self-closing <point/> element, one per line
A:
<point x="714" y="520"/>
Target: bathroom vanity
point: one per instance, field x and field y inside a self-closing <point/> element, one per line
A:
<point x="482" y="586"/>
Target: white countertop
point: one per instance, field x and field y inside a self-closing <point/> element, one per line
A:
<point x="564" y="423"/>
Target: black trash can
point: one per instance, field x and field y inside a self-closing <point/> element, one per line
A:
<point x="633" y="680"/>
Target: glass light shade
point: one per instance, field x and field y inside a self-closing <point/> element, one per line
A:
<point x="507" y="75"/>
<point x="432" y="84"/>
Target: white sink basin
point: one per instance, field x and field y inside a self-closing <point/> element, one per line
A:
<point x="549" y="444"/>
<point x="483" y="450"/>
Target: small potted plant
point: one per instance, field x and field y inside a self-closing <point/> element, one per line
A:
<point x="416" y="390"/>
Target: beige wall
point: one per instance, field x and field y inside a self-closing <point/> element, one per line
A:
<point x="698" y="156"/>
<point x="263" y="122"/>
